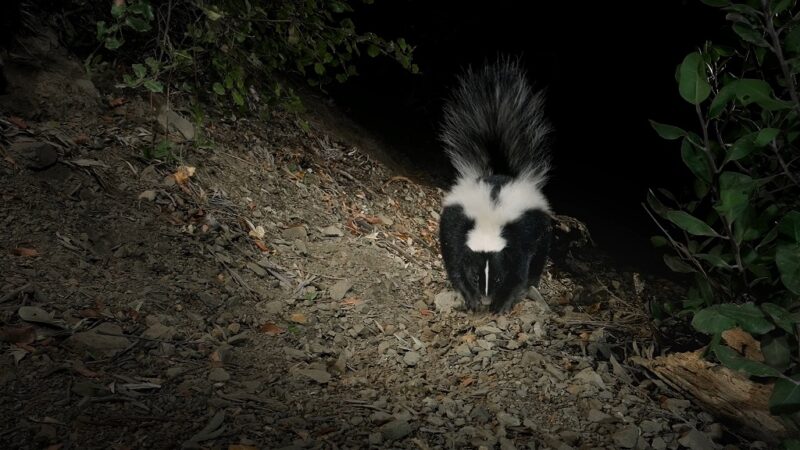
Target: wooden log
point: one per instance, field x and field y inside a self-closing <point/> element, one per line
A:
<point x="722" y="392"/>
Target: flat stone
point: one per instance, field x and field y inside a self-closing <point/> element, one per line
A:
<point x="95" y="342"/>
<point x="218" y="375"/>
<point x="295" y="233"/>
<point x="411" y="359"/>
<point x="34" y="155"/>
<point x="447" y="301"/>
<point x="396" y="429"/>
<point x="320" y="376"/>
<point x="159" y="331"/>
<point x="332" y="231"/>
<point x="626" y="437"/>
<point x="339" y="290"/>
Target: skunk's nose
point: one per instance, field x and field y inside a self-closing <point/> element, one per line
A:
<point x="486" y="301"/>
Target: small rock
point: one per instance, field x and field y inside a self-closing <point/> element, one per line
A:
<point x="218" y="375"/>
<point x="589" y="376"/>
<point x="149" y="195"/>
<point x="320" y="376"/>
<point x="173" y="372"/>
<point x="172" y="121"/>
<point x="380" y="417"/>
<point x="596" y="416"/>
<point x="487" y="329"/>
<point x="383" y="346"/>
<point x="463" y="350"/>
<point x="677" y="405"/>
<point x="447" y="301"/>
<point x="650" y="427"/>
<point x="386" y="220"/>
<point x="508" y="420"/>
<point x="331" y="231"/>
<point x="658" y="443"/>
<point x="411" y="359"/>
<point x="274" y="307"/>
<point x="300" y="247"/>
<point x="626" y="437"/>
<point x="159" y="331"/>
<point x="234" y="327"/>
<point x="396" y="429"/>
<point x="34" y="155"/>
<point x="295" y="233"/>
<point x="256" y="269"/>
<point x="375" y="438"/>
<point x="339" y="290"/>
<point x="93" y="341"/>
<point x="696" y="440"/>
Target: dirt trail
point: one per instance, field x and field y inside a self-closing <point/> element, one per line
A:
<point x="282" y="290"/>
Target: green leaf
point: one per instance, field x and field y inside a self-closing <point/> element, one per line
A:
<point x="748" y="316"/>
<point x="781" y="6"/>
<point x="785" y="398"/>
<point x="714" y="260"/>
<point x="138" y="24"/>
<point x="693" y="82"/>
<point x="373" y="50"/>
<point x="139" y="70"/>
<point x="765" y="136"/>
<point x="792" y="40"/>
<point x="668" y="132"/>
<point x="319" y="68"/>
<point x="734" y="361"/>
<point x="690" y="224"/>
<point x="695" y="160"/>
<point x="724" y="96"/>
<point x="237" y="97"/>
<point x="153" y="86"/>
<point x="711" y="321"/>
<point x="112" y="43"/>
<point x="219" y="89"/>
<point x="776" y="352"/>
<point x="787" y="258"/>
<point x="741" y="148"/>
<point x="748" y="34"/>
<point x="658" y="241"/>
<point x="750" y="91"/>
<point x="735" y="191"/>
<point x="790" y="226"/>
<point x="783" y="318"/>
<point x="716" y="3"/>
<point x="677" y="265"/>
<point x="117" y="10"/>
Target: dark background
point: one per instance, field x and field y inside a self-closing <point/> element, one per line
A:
<point x="608" y="67"/>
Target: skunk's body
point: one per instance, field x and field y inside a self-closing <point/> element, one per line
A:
<point x="495" y="227"/>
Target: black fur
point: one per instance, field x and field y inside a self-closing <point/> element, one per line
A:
<point x="495" y="131"/>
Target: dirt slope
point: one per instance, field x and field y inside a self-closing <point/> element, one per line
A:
<point x="274" y="287"/>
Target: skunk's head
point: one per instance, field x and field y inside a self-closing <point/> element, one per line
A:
<point x="493" y="280"/>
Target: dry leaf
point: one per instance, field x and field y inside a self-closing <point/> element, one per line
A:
<point x="469" y="338"/>
<point x="216" y="359"/>
<point x="241" y="447"/>
<point x="82" y="370"/>
<point x="425" y="312"/>
<point x="183" y="174"/>
<point x="27" y="252"/>
<point x="298" y="318"/>
<point x="119" y="101"/>
<point x="744" y="343"/>
<point x="18" y="334"/>
<point x="89" y="313"/>
<point x="257" y="232"/>
<point x="261" y="246"/>
<point x="81" y="139"/>
<point x="352" y="301"/>
<point x="271" y="329"/>
<point x="19" y="122"/>
<point x="467" y="381"/>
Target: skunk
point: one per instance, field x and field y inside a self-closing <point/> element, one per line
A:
<point x="495" y="227"/>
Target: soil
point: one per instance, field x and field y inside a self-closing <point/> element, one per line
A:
<point x="267" y="284"/>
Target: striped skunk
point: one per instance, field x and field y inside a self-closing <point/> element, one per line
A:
<point x="495" y="228"/>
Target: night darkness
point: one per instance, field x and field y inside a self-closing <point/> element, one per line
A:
<point x="608" y="67"/>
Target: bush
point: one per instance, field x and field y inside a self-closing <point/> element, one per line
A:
<point x="232" y="51"/>
<point x="739" y="234"/>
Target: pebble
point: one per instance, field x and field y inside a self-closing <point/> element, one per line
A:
<point x="589" y="376"/>
<point x="508" y="420"/>
<point x="158" y="331"/>
<point x="626" y="437"/>
<point x="295" y="233"/>
<point x="256" y="269"/>
<point x="487" y="329"/>
<point x="35" y="155"/>
<point x="463" y="350"/>
<point x="320" y="376"/>
<point x="596" y="416"/>
<point x="332" y="231"/>
<point x="101" y="343"/>
<point x="411" y="359"/>
<point x="696" y="440"/>
<point x="339" y="289"/>
<point x="447" y="301"/>
<point x="218" y="375"/>
<point x="396" y="429"/>
<point x="273" y="307"/>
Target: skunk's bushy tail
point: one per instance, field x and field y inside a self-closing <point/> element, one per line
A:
<point x="494" y="122"/>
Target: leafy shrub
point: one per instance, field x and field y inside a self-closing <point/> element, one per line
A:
<point x="739" y="236"/>
<point x="235" y="50"/>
